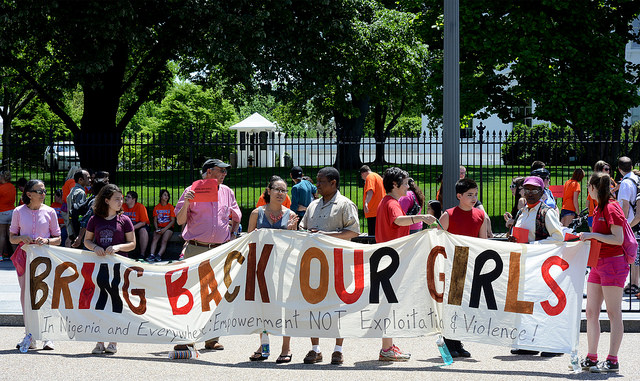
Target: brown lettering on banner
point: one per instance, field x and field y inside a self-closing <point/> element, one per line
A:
<point x="254" y="272"/>
<point x="208" y="283"/>
<point x="314" y="295"/>
<point x="512" y="304"/>
<point x="431" y="264"/>
<point x="139" y="292"/>
<point x="458" y="275"/>
<point x="232" y="256"/>
<point x="61" y="285"/>
<point x="37" y="281"/>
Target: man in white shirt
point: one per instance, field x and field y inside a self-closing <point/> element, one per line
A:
<point x="627" y="194"/>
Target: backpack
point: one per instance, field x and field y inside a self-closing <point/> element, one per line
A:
<point x="634" y="201"/>
<point x="629" y="243"/>
<point x="414" y="209"/>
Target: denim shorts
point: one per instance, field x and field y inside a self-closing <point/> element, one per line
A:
<point x="610" y="272"/>
<point x="5" y="217"/>
<point x="566" y="212"/>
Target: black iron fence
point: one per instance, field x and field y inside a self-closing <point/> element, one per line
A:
<point x="147" y="163"/>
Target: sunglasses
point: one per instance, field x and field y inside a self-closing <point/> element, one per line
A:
<point x="513" y="186"/>
<point x="39" y="191"/>
<point x="606" y="169"/>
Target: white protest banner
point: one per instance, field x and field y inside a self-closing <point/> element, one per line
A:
<point x="296" y="284"/>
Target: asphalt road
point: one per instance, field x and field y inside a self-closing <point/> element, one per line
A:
<point x="73" y="361"/>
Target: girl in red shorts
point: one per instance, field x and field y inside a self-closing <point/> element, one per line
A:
<point x="607" y="279"/>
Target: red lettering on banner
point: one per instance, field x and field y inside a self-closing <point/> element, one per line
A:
<point x="358" y="261"/>
<point x="88" y="287"/>
<point x="548" y="279"/>
<point x="175" y="289"/>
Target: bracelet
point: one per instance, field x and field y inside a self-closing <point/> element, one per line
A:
<point x="47" y="241"/>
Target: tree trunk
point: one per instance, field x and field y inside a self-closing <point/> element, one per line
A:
<point x="6" y="141"/>
<point x="349" y="131"/>
<point x="380" y="116"/>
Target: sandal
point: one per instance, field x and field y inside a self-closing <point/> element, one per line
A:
<point x="257" y="356"/>
<point x="631" y="289"/>
<point x="283" y="359"/>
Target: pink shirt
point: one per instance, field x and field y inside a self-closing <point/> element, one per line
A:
<point x="209" y="221"/>
<point x="35" y="223"/>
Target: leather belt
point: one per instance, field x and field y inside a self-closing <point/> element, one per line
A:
<point x="205" y="244"/>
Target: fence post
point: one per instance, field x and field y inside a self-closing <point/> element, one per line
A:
<point x="52" y="171"/>
<point x="191" y="154"/>
<point x="481" y="129"/>
<point x="626" y="127"/>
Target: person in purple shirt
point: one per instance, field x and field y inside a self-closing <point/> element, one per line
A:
<point x="206" y="224"/>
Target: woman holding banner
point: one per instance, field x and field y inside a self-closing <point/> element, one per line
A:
<point x="274" y="215"/>
<point x="607" y="279"/>
<point x="109" y="232"/>
<point x="392" y="223"/>
<point x="32" y="223"/>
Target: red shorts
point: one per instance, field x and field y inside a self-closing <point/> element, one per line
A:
<point x="610" y="272"/>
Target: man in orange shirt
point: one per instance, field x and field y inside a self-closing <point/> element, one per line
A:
<point x="140" y="218"/>
<point x="373" y="194"/>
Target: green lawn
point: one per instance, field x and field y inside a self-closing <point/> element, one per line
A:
<point x="248" y="183"/>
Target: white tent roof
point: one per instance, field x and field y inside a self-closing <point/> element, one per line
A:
<point x="254" y="123"/>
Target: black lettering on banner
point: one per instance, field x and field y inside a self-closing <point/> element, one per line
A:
<point x="383" y="277"/>
<point x="483" y="281"/>
<point x="106" y="289"/>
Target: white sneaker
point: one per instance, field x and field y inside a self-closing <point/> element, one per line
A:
<point x="99" y="349"/>
<point x="111" y="348"/>
<point x="48" y="345"/>
<point x="393" y="354"/>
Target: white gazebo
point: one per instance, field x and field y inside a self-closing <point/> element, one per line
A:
<point x="257" y="142"/>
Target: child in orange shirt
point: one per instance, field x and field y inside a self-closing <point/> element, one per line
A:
<point x="164" y="217"/>
<point x="570" y="198"/>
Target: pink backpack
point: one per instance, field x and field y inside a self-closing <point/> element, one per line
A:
<point x="629" y="245"/>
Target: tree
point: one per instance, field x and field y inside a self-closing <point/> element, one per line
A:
<point x="15" y="96"/>
<point x="116" y="52"/>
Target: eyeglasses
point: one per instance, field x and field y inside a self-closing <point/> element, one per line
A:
<point x="223" y="170"/>
<point x="513" y="186"/>
<point x="38" y="191"/>
<point x="606" y="169"/>
<point x="533" y="191"/>
<point x="279" y="190"/>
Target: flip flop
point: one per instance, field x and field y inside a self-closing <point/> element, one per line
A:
<point x="283" y="359"/>
<point x="257" y="356"/>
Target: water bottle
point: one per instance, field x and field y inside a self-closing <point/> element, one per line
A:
<point x="575" y="363"/>
<point x="180" y="355"/>
<point x="264" y="344"/>
<point x="25" y="344"/>
<point x="444" y="351"/>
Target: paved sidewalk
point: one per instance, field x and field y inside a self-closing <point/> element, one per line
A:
<point x="73" y="361"/>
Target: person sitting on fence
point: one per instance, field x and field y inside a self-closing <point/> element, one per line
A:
<point x="140" y="218"/>
<point x="570" y="197"/>
<point x="302" y="192"/>
<point x="274" y="215"/>
<point x="519" y="201"/>
<point x="164" y="217"/>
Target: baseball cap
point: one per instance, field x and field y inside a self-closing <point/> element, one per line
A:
<point x="296" y="172"/>
<point x="541" y="172"/>
<point x="214" y="163"/>
<point x="534" y="180"/>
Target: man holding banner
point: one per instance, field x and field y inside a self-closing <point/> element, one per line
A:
<point x="333" y="215"/>
<point x="206" y="224"/>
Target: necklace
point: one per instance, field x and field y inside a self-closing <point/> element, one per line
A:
<point x="275" y="217"/>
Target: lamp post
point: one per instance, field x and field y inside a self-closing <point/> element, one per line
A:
<point x="451" y="115"/>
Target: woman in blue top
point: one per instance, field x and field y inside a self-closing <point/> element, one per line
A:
<point x="274" y="215"/>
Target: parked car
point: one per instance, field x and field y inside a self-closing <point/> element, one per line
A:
<point x="61" y="156"/>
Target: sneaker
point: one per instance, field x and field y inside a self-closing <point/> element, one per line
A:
<point x="158" y="258"/>
<point x="605" y="367"/>
<point x="99" y="349"/>
<point x="111" y="349"/>
<point x="151" y="258"/>
<point x="587" y="363"/>
<point x="631" y="289"/>
<point x="48" y="345"/>
<point x="181" y="257"/>
<point x="312" y="357"/>
<point x="393" y="354"/>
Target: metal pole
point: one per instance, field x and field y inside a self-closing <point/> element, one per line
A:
<point x="451" y="116"/>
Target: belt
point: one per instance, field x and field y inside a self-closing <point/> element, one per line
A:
<point x="205" y="244"/>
